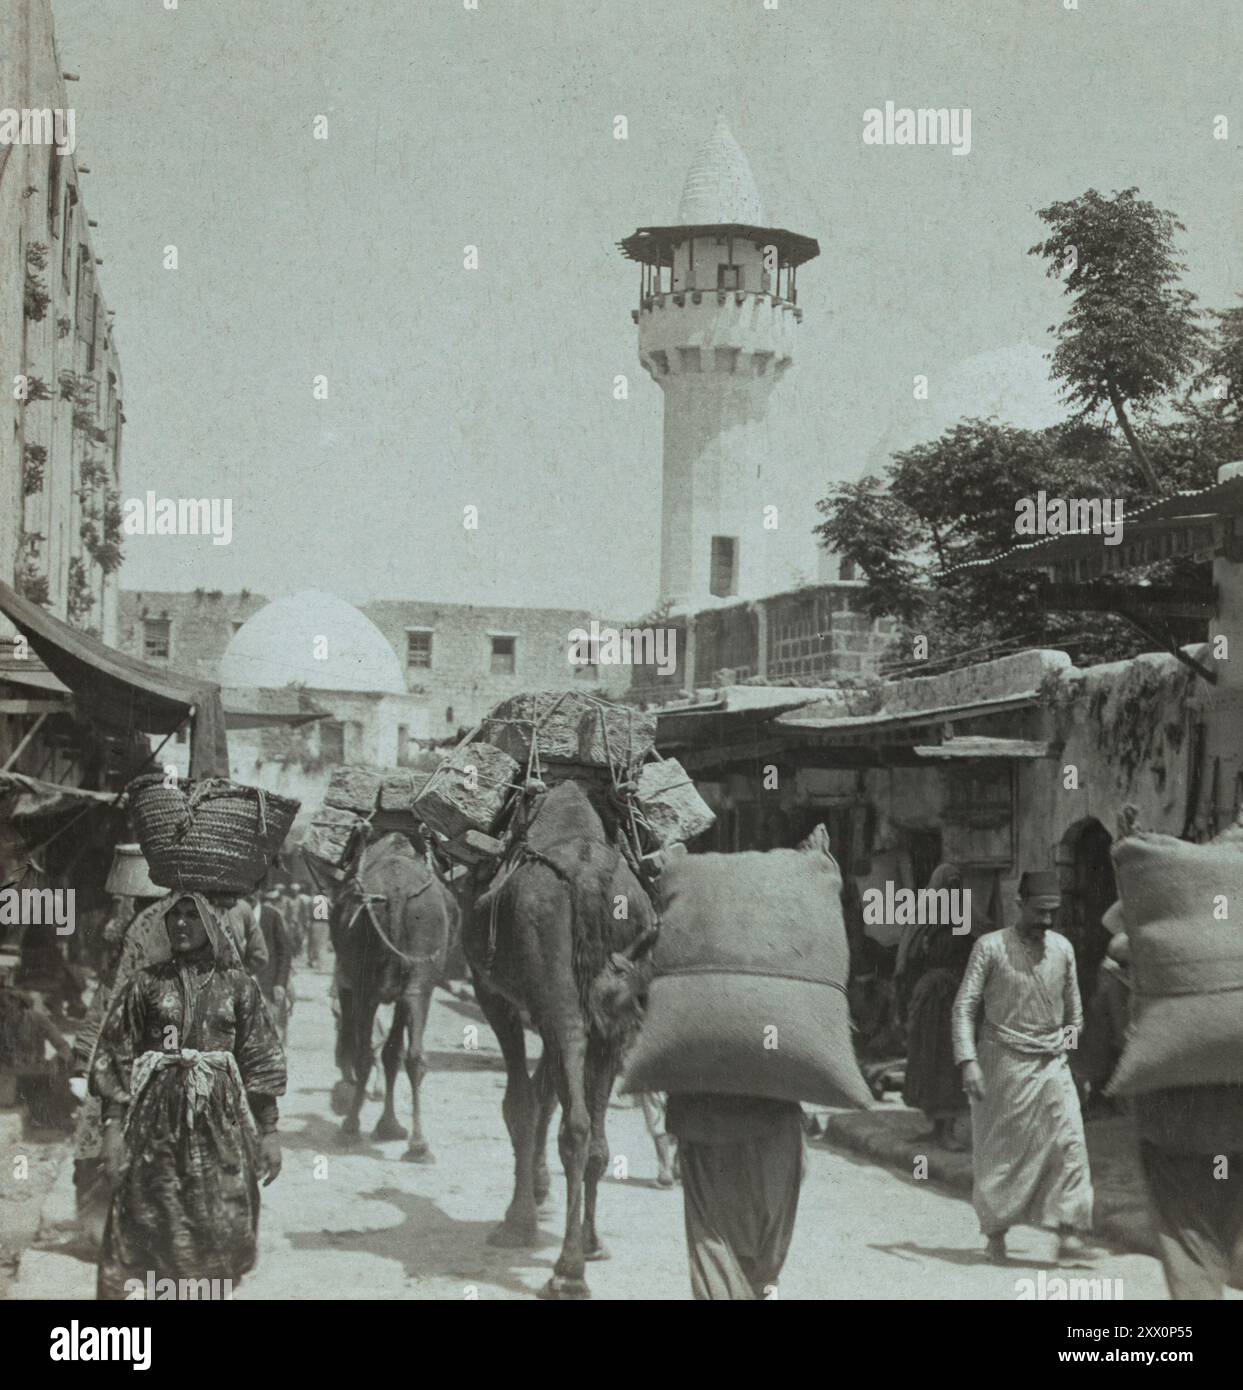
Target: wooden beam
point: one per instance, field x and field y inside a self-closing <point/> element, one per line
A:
<point x="21" y="747"/>
<point x="1154" y="600"/>
<point x="16" y="706"/>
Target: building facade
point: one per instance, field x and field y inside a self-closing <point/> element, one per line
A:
<point x="61" y="410"/>
<point x="456" y="661"/>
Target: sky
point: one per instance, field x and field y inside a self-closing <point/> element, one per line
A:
<point x="494" y="127"/>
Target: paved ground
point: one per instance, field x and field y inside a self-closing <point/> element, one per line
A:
<point x="362" y="1224"/>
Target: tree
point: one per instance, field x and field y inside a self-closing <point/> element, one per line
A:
<point x="1132" y="333"/>
<point x="952" y="501"/>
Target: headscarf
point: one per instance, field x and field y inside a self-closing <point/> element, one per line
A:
<point x="220" y="941"/>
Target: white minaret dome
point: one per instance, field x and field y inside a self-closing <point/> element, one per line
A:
<point x="720" y="187"/>
<point x="280" y="645"/>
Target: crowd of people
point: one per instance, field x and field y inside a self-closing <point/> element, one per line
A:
<point x="179" y="1064"/>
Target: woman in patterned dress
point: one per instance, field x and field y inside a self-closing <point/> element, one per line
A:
<point x="188" y="1067"/>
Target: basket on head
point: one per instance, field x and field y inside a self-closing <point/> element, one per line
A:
<point x="213" y="836"/>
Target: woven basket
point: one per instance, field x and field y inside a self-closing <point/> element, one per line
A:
<point x="213" y="836"/>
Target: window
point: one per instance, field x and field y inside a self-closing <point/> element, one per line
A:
<point x="156" y="638"/>
<point x="847" y="569"/>
<point x="729" y="277"/>
<point x="723" y="580"/>
<point x="503" y="655"/>
<point x="419" y="648"/>
<point x="332" y="741"/>
<point x="66" y="246"/>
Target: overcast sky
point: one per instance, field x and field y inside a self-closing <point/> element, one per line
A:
<point x="494" y="128"/>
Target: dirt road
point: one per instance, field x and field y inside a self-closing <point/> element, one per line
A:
<point x="360" y="1223"/>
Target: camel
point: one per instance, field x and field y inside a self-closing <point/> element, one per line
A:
<point x="394" y="924"/>
<point x="564" y="906"/>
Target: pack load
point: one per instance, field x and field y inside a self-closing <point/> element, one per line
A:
<point x="468" y="791"/>
<point x="1186" y="957"/>
<point x="671" y="806"/>
<point x="212" y="836"/>
<point x="538" y="739"/>
<point x="570" y="727"/>
<point x="749" y="989"/>
<point x="352" y="788"/>
<point x="328" y="835"/>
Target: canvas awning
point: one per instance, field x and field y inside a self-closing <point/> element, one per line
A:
<point x="122" y="694"/>
<point x="24" y="797"/>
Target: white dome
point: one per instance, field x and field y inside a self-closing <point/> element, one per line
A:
<point x="720" y="187"/>
<point x="278" y="645"/>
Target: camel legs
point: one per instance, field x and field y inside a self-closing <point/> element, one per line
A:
<point x="363" y="1060"/>
<point x="412" y="1008"/>
<point x="388" y="1126"/>
<point x="546" y="1095"/>
<point x="520" y="1226"/>
<point x="569" y="1047"/>
<point x="601" y="1071"/>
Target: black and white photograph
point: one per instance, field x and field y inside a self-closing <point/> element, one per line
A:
<point x="618" y="640"/>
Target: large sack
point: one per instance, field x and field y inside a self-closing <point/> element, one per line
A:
<point x="1186" y="963"/>
<point x="749" y="994"/>
<point x="328" y="835"/>
<point x="571" y="727"/>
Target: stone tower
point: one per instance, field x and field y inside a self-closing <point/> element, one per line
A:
<point x="718" y="305"/>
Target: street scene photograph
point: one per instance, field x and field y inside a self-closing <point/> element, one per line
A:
<point x="621" y="662"/>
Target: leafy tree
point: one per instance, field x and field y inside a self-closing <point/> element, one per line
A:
<point x="1131" y="335"/>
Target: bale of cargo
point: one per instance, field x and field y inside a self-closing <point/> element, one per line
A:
<point x="398" y="789"/>
<point x="671" y="806"/>
<point x="328" y="835"/>
<point x="467" y="791"/>
<point x="1184" y="929"/>
<point x="570" y="727"/>
<point x="353" y="789"/>
<point x="213" y="836"/>
<point x="749" y="989"/>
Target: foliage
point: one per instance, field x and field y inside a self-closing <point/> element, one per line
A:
<point x="1132" y="332"/>
<point x="101" y="533"/>
<point x="31" y="581"/>
<point x="34" y="465"/>
<point x="36" y="390"/>
<point x="81" y="597"/>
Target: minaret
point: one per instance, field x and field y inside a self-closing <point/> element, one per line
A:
<point x="717" y="310"/>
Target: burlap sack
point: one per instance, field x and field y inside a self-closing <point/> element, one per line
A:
<point x="749" y="991"/>
<point x="1186" y="963"/>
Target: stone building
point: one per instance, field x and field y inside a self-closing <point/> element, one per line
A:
<point x="60" y="432"/>
<point x="451" y="662"/>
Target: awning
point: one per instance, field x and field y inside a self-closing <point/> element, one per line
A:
<point x="251" y="707"/>
<point x="24" y="797"/>
<point x="121" y="693"/>
<point x="970" y="746"/>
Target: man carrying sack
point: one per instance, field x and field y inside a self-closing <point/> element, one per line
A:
<point x="1030" y="1159"/>
<point x="1182" y="1066"/>
<point x="742" y="1168"/>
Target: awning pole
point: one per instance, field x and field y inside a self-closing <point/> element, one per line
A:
<point x="21" y="747"/>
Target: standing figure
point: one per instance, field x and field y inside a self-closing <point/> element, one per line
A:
<point x="127" y="938"/>
<point x="654" y="1105"/>
<point x="935" y="963"/>
<point x="189" y="1068"/>
<point x="1019" y="997"/>
<point x="742" y="1168"/>
<point x="273" y="976"/>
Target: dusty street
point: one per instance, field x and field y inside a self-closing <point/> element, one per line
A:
<point x="364" y="1224"/>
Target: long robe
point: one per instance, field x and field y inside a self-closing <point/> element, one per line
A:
<point x="190" y="1056"/>
<point x="1030" y="1159"/>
